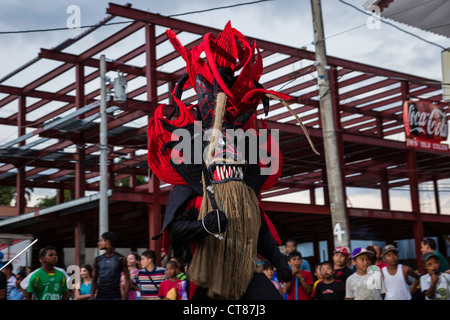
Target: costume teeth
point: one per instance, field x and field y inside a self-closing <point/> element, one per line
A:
<point x="225" y="172"/>
<point x="220" y="172"/>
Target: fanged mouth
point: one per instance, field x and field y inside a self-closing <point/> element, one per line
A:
<point x="223" y="169"/>
<point x="224" y="172"/>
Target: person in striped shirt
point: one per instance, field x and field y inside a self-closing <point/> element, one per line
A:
<point x="149" y="278"/>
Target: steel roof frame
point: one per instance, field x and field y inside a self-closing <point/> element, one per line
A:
<point x="367" y="99"/>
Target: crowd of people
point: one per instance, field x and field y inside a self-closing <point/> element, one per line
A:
<point x="371" y="273"/>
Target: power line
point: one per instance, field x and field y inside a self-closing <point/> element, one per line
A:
<point x="129" y="22"/>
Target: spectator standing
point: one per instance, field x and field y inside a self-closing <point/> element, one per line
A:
<point x="10" y="278"/>
<point x="180" y="268"/>
<point x="184" y="287"/>
<point x="269" y="271"/>
<point x="340" y="261"/>
<point x="167" y="289"/>
<point x="149" y="278"/>
<point x="395" y="276"/>
<point x="291" y="246"/>
<point x="18" y="293"/>
<point x="429" y="245"/>
<point x="133" y="263"/>
<point x="2" y="286"/>
<point x="107" y="269"/>
<point x="83" y="288"/>
<point x="48" y="283"/>
<point x="434" y="284"/>
<point x="329" y="288"/>
<point x="24" y="283"/>
<point x="379" y="257"/>
<point x="300" y="286"/>
<point x="318" y="278"/>
<point x="365" y="283"/>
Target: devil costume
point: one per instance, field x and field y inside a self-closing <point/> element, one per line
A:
<point x="213" y="218"/>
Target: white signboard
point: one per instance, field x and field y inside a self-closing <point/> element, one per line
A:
<point x="11" y="246"/>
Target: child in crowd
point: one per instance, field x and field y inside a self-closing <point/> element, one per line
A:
<point x="429" y="245"/>
<point x="435" y="284"/>
<point x="340" y="262"/>
<point x="183" y="288"/>
<point x="167" y="289"/>
<point x="300" y="287"/>
<point x="329" y="288"/>
<point x="10" y="278"/>
<point x="150" y="276"/>
<point x="365" y="283"/>
<point x="17" y="292"/>
<point x="395" y="276"/>
<point x="48" y="283"/>
<point x="180" y="268"/>
<point x="318" y="277"/>
<point x="269" y="271"/>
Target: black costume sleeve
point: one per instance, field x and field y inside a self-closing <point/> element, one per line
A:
<point x="185" y="227"/>
<point x="268" y="248"/>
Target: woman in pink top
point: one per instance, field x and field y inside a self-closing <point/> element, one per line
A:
<point x="133" y="261"/>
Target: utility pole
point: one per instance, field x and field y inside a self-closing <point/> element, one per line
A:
<point x="103" y="208"/>
<point x="332" y="160"/>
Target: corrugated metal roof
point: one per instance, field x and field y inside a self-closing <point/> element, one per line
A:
<point x="428" y="15"/>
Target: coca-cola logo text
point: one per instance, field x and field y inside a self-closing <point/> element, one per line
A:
<point x="425" y="120"/>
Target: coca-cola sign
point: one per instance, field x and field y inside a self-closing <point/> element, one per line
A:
<point x="425" y="121"/>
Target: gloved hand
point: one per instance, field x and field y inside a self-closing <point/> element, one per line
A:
<point x="212" y="220"/>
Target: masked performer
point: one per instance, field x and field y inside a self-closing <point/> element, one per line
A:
<point x="218" y="163"/>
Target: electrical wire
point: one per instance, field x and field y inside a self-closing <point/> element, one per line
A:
<point x="206" y="10"/>
<point x="129" y="22"/>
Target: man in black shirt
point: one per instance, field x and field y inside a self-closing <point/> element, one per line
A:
<point x="107" y="269"/>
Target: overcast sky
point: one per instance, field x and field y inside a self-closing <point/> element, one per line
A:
<point x="282" y="21"/>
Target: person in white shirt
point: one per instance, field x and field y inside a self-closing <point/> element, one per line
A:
<point x="435" y="285"/>
<point x="395" y="276"/>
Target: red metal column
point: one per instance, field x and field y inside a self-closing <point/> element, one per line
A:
<point x="150" y="66"/>
<point x="154" y="218"/>
<point x="60" y="193"/>
<point x="20" y="178"/>
<point x="80" y="175"/>
<point x="155" y="208"/>
<point x="384" y="186"/>
<point x="312" y="195"/>
<point x="80" y="244"/>
<point x="326" y="194"/>
<point x="415" y="202"/>
<point x="436" y="195"/>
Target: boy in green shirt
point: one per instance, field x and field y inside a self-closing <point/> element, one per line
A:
<point x="48" y="283"/>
